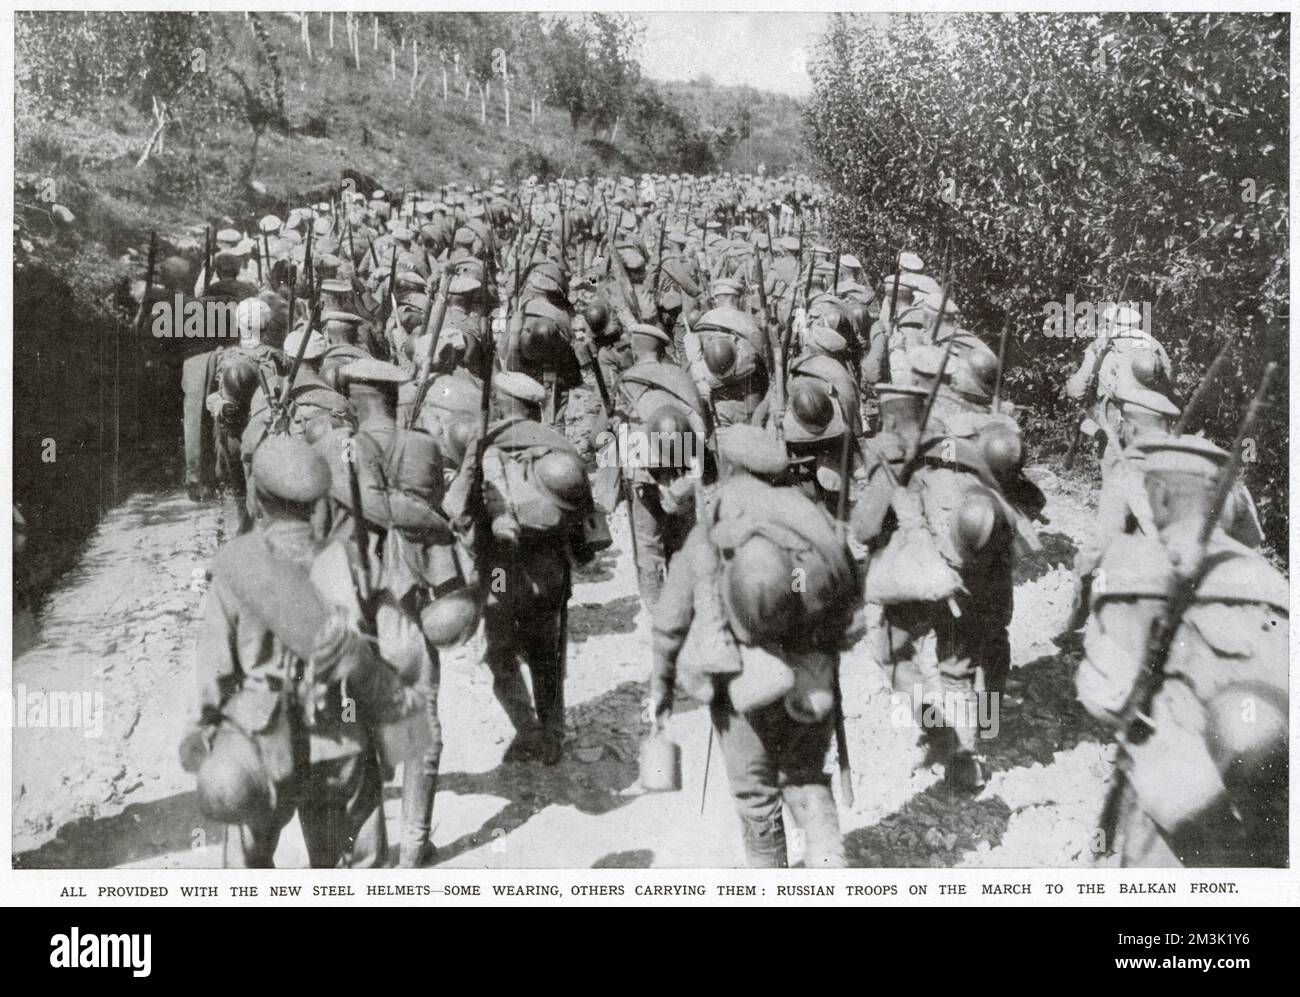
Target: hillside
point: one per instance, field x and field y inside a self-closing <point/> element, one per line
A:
<point x="254" y="120"/>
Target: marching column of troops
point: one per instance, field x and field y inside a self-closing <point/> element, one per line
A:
<point x="803" y="448"/>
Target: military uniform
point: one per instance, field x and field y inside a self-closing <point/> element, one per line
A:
<point x="941" y="542"/>
<point x="1205" y="769"/>
<point x="729" y="630"/>
<point x="535" y="525"/>
<point x="665" y="415"/>
<point x="274" y="725"/>
<point x="1108" y="369"/>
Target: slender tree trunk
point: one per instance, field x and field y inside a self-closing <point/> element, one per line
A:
<point x="415" y="64"/>
<point x="613" y="132"/>
<point x="331" y="29"/>
<point x="376" y="33"/>
<point x="482" y="105"/>
<point x="306" y="33"/>
<point x="444" y="83"/>
<point x="507" y="90"/>
<point x="392" y="62"/>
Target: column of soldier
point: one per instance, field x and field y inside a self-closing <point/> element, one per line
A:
<point x="395" y="417"/>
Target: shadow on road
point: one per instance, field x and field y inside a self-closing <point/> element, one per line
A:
<point x="1058" y="552"/>
<point x="610" y="724"/>
<point x="939" y="826"/>
<point x="141" y="831"/>
<point x="594" y="619"/>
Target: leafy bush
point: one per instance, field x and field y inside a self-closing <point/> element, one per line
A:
<point x="1078" y="154"/>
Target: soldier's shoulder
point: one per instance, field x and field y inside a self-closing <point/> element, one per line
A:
<point x="1235" y="573"/>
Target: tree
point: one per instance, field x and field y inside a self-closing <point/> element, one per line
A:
<point x="592" y="67"/>
<point x="1073" y="154"/>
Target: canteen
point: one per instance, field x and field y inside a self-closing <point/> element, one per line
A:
<point x="661" y="764"/>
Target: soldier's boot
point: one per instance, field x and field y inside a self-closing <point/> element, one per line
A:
<point x="548" y="690"/>
<point x="511" y="692"/>
<point x="764" y="842"/>
<point x="419" y="789"/>
<point x="813" y="809"/>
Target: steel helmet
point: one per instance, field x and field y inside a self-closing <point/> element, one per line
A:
<point x="563" y="479"/>
<point x="720" y="355"/>
<point x="232" y="785"/>
<point x="758" y="593"/>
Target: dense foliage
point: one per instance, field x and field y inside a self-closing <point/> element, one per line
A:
<point x="1088" y="155"/>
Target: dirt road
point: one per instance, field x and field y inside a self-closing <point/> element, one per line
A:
<point x="114" y="657"/>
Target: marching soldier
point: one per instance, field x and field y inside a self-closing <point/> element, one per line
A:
<point x="275" y="735"/>
<point x="536" y="494"/>
<point x="665" y="456"/>
<point x="941" y="535"/>
<point x="730" y="630"/>
<point x="1204" y="756"/>
<point x="1124" y="350"/>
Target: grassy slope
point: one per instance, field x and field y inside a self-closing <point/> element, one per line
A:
<point x="371" y="125"/>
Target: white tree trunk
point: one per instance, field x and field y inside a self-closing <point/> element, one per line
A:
<point x="507" y="90"/>
<point x="376" y="33"/>
<point x="159" y="112"/>
<point x="444" y="83"/>
<point x="392" y="62"/>
<point x="482" y="105"/>
<point x="356" y="44"/>
<point x="331" y="29"/>
<point x="613" y="132"/>
<point x="306" y="33"/>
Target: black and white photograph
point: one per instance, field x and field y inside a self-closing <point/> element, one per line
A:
<point x="652" y="443"/>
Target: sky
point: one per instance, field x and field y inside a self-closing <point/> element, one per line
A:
<point x="760" y="50"/>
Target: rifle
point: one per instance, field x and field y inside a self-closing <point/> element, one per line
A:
<point x="148" y="282"/>
<point x="837" y="697"/>
<point x="492" y="232"/>
<point x="625" y="486"/>
<point x="623" y="280"/>
<point x="352" y="245"/>
<point x="893" y="293"/>
<point x="427" y="366"/>
<point x="777" y="346"/>
<point x="482" y="533"/>
<point x="1136" y="725"/>
<point x="360" y="537"/>
<point x="385" y="309"/>
<point x="1002" y="359"/>
<point x="312" y="320"/>
<point x="564" y="230"/>
<point x="807" y="284"/>
<point x="835" y="280"/>
<point x="659" y="263"/>
<point x="1202" y="389"/>
<point x="309" y="270"/>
